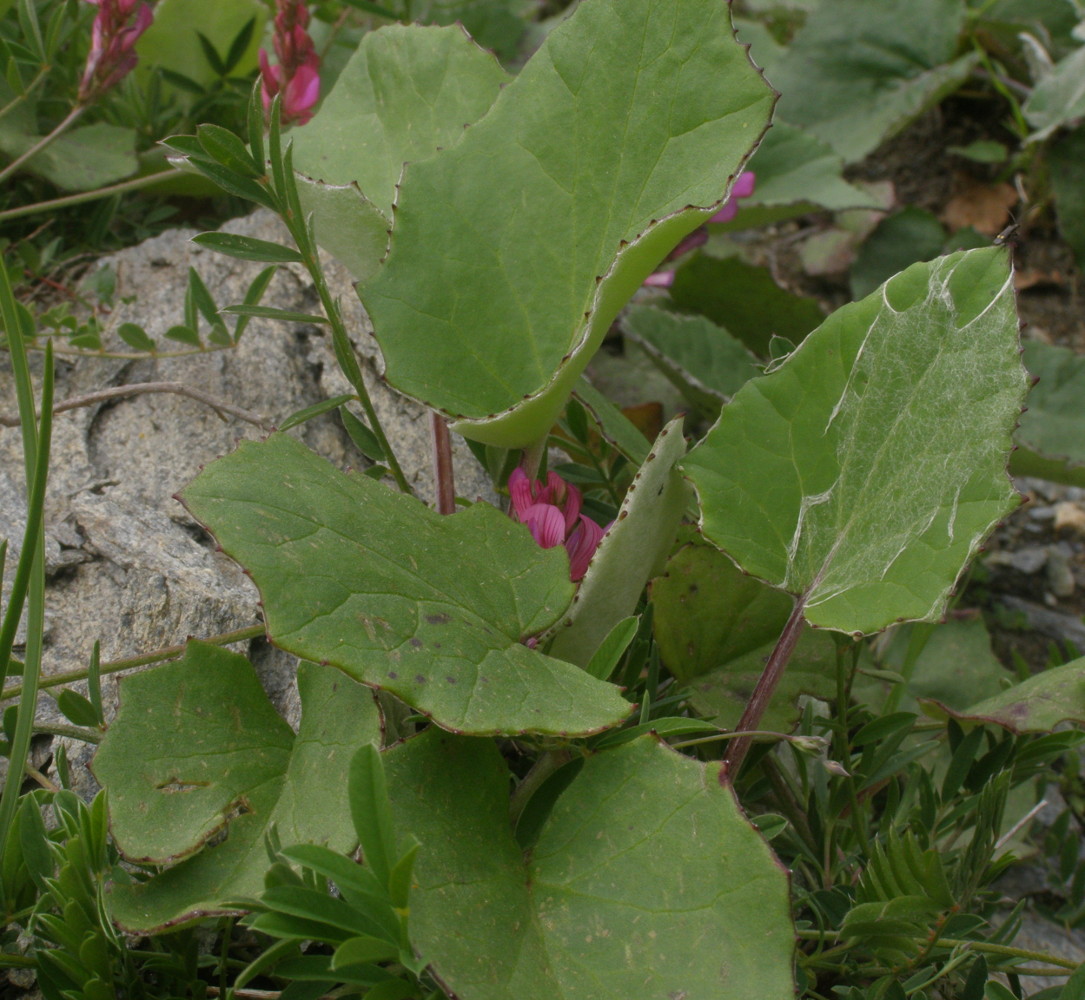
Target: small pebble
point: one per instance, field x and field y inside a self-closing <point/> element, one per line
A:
<point x="1070" y="517"/>
<point x="1028" y="560"/>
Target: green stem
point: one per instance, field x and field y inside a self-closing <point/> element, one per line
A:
<point x="71" y="732"/>
<point x="1010" y="952"/>
<point x="82" y="197"/>
<point x="531" y="782"/>
<point x="46" y="140"/>
<point x="917" y="641"/>
<point x="36" y="441"/>
<point x="842" y="750"/>
<point x="115" y="666"/>
<point x="290" y="211"/>
<point x="30" y="88"/>
<point x="983" y="947"/>
<point x="531" y="462"/>
<point x="344" y="353"/>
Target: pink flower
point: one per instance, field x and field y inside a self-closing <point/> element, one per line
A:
<point x="297" y="75"/>
<point x="742" y="188"/>
<point x="552" y="513"/>
<point x="111" y="41"/>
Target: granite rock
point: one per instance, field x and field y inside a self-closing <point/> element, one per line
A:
<point x="125" y="563"/>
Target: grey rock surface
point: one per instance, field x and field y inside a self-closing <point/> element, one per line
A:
<point x="126" y="565"/>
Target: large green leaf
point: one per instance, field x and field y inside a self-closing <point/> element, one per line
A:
<point x="645" y="881"/>
<point x="716" y="627"/>
<point x="796" y="174"/>
<point x="1051" y="437"/>
<point x="536" y="227"/>
<point x="702" y="359"/>
<point x="404" y="93"/>
<point x="197" y="747"/>
<point x="745" y="300"/>
<point x="1037" y="705"/>
<point x="863" y="474"/>
<point x="431" y="608"/>
<point x="633" y="548"/>
<point x="858" y="72"/>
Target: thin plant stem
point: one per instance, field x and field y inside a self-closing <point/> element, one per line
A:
<point x="116" y="666"/>
<point x="531" y="462"/>
<point x="121" y="187"/>
<point x="748" y="734"/>
<point x="444" y="480"/>
<point x="29" y="89"/>
<point x="36" y="441"/>
<point x="140" y="388"/>
<point x="67" y="352"/>
<point x="344" y="353"/>
<point x="68" y="732"/>
<point x="842" y="750"/>
<point x="300" y="230"/>
<point x="983" y="947"/>
<point x="46" y="140"/>
<point x="762" y="693"/>
<point x="531" y="782"/>
<point x="36" y="775"/>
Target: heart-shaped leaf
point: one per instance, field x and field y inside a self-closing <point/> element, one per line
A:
<point x="197" y="747"/>
<point x="863" y="474"/>
<point x="431" y="608"/>
<point x="540" y="223"/>
<point x="645" y="881"/>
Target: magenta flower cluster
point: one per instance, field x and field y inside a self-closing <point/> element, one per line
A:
<point x="297" y="74"/>
<point x="552" y="512"/>
<point x="112" y="39"/>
